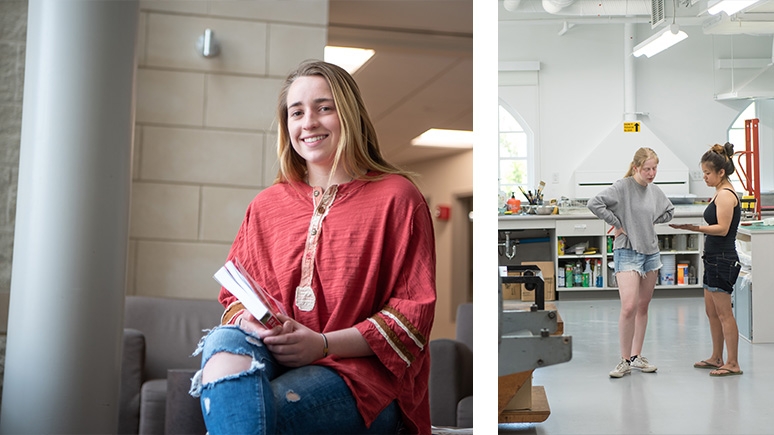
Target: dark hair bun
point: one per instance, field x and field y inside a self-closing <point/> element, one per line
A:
<point x="729" y="149"/>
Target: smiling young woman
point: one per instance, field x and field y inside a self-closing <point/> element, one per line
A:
<point x="359" y="288"/>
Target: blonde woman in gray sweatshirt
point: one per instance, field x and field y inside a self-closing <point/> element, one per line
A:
<point x="633" y="205"/>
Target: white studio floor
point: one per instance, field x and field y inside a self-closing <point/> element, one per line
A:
<point x="677" y="399"/>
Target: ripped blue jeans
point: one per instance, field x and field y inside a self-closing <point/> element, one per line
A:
<point x="270" y="398"/>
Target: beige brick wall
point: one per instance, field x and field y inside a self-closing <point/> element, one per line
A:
<point x="205" y="130"/>
<point x="13" y="34"/>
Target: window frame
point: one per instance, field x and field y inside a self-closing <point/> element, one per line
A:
<point x="530" y="150"/>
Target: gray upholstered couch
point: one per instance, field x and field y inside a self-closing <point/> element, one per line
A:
<point x="160" y="335"/>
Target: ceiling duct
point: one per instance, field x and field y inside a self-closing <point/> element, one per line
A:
<point x="556" y="6"/>
<point x="597" y="8"/>
<point x="657" y="15"/>
<point x="760" y="86"/>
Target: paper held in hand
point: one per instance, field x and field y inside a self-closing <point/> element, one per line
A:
<point x="234" y="278"/>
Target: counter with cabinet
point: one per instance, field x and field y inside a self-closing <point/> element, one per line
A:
<point x="579" y="227"/>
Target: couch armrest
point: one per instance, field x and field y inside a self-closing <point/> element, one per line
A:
<point x="184" y="412"/>
<point x="132" y="361"/>
<point x="451" y="379"/>
<point x="153" y="403"/>
<point x="465" y="412"/>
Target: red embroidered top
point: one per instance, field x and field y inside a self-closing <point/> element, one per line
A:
<point x="360" y="254"/>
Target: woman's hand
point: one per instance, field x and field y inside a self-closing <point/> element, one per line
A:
<point x="689" y="227"/>
<point x="251" y="325"/>
<point x="293" y="344"/>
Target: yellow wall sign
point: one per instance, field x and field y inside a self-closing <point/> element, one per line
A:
<point x="631" y="127"/>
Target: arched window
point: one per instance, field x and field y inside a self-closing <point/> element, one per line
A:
<point x="514" y="153"/>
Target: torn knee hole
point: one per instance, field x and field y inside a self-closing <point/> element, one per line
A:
<point x="225" y="364"/>
<point x="292" y="396"/>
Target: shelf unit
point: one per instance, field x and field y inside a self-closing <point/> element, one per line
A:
<point x="580" y="232"/>
<point x="595" y="233"/>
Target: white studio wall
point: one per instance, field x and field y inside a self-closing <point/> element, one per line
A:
<point x="581" y="92"/>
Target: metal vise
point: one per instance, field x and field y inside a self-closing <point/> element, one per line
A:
<point x="524" y="337"/>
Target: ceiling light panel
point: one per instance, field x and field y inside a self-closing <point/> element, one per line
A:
<point x="349" y="58"/>
<point x="436" y="137"/>
<point x="660" y="41"/>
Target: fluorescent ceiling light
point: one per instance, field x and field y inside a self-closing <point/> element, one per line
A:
<point x="436" y="137"/>
<point x="349" y="58"/>
<point x="730" y="7"/>
<point x="660" y="41"/>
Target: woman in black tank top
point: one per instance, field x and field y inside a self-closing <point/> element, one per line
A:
<point x="721" y="264"/>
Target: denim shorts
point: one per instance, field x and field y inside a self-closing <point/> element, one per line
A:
<point x="721" y="271"/>
<point x="630" y="260"/>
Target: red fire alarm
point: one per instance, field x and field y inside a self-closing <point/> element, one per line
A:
<point x="442" y="212"/>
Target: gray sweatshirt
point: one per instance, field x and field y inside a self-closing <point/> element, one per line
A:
<point x="636" y="208"/>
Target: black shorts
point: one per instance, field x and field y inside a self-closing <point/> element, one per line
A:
<point x="721" y="271"/>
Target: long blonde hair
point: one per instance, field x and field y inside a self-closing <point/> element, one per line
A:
<point x="358" y="146"/>
<point x="640" y="157"/>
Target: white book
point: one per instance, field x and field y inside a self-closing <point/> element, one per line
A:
<point x="234" y="278"/>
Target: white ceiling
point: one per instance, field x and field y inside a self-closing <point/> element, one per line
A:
<point x="421" y="76"/>
<point x="758" y="19"/>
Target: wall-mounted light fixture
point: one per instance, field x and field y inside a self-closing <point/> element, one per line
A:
<point x="207" y="45"/>
<point x="730" y="7"/>
<point x="660" y="41"/>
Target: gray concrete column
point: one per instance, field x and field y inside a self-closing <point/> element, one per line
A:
<point x="63" y="362"/>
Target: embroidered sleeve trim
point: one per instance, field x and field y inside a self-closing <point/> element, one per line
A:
<point x="392" y="339"/>
<point x="406" y="325"/>
<point x="231" y="310"/>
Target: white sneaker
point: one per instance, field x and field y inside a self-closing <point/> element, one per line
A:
<point x="642" y="363"/>
<point x="621" y="369"/>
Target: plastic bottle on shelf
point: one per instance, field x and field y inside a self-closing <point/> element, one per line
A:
<point x="587" y="274"/>
<point x="577" y="274"/>
<point x="598" y="271"/>
<point x="560" y="245"/>
<point x="560" y="277"/>
<point x="514" y="205"/>
<point x="568" y="278"/>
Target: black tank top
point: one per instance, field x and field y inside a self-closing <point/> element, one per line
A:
<point x="727" y="243"/>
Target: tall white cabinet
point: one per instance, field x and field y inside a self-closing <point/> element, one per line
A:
<point x="755" y="302"/>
